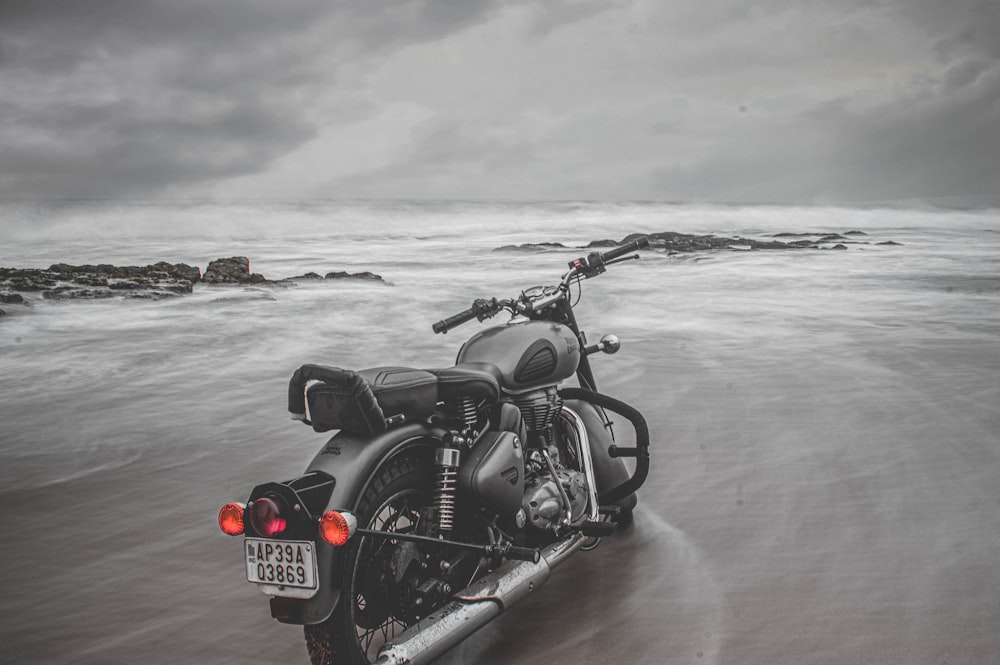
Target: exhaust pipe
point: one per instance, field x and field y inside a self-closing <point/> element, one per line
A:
<point x="474" y="607"/>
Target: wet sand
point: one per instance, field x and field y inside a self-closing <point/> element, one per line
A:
<point x="824" y="512"/>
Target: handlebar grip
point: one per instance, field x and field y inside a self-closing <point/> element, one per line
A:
<point x="456" y="320"/>
<point x="622" y="250"/>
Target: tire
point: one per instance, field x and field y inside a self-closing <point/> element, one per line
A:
<point x="363" y="619"/>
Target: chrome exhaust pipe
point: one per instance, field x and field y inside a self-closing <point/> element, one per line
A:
<point x="474" y="607"/>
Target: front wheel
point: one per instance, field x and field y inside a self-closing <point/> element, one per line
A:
<point x="385" y="582"/>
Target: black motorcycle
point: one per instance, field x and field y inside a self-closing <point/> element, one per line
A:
<point x="447" y="495"/>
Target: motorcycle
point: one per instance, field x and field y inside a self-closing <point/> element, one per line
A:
<point x="446" y="495"/>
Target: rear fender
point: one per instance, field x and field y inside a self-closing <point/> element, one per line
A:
<point x="352" y="460"/>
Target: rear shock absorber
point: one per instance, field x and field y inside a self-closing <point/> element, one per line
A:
<point x="446" y="459"/>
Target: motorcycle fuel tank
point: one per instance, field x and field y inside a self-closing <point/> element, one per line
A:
<point x="529" y="354"/>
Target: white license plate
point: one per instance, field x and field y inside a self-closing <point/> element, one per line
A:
<point x="278" y="565"/>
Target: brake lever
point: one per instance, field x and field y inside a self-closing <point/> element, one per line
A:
<point x="622" y="258"/>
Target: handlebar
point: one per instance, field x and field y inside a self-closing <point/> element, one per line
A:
<point x="481" y="309"/>
<point x="622" y="250"/>
<point x="586" y="266"/>
<point x="594" y="263"/>
<point x="452" y="321"/>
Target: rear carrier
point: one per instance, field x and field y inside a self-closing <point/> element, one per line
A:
<point x="366" y="402"/>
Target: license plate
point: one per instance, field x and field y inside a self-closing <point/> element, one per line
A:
<point x="281" y="567"/>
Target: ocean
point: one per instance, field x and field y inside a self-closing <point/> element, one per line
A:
<point x="825" y="483"/>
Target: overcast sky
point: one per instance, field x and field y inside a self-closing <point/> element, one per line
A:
<point x="769" y="101"/>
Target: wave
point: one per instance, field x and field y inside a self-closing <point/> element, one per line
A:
<point x="38" y="481"/>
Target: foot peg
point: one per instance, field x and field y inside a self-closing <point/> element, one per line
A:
<point x="522" y="554"/>
<point x="506" y="550"/>
<point x="597" y="529"/>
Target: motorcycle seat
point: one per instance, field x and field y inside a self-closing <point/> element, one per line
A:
<point x="480" y="381"/>
<point x="368" y="401"/>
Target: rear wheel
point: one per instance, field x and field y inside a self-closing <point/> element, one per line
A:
<point x="385" y="581"/>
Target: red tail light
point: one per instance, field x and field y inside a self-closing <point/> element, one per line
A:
<point x="267" y="516"/>
<point x="337" y="528"/>
<point x="231" y="518"/>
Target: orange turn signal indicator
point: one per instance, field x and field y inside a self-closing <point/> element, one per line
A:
<point x="337" y="527"/>
<point x="231" y="518"/>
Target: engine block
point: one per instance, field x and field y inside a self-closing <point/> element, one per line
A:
<point x="543" y="503"/>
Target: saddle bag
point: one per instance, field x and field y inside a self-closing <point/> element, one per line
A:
<point x="364" y="402"/>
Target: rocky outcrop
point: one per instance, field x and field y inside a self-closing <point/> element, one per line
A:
<point x="673" y="242"/>
<point x="340" y="274"/>
<point x="531" y="247"/>
<point x="368" y="276"/>
<point x="234" y="270"/>
<point x="63" y="281"/>
<point x="600" y="244"/>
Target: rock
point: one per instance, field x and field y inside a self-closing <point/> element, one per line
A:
<point x="595" y="244"/>
<point x="73" y="293"/>
<point x="889" y="242"/>
<point x="91" y="280"/>
<point x="131" y="285"/>
<point x="774" y="244"/>
<point x="234" y="270"/>
<point x="171" y="289"/>
<point x="180" y="271"/>
<point x="531" y="247"/>
<point x="151" y="295"/>
<point x="62" y="281"/>
<point x="27" y="279"/>
<point x="673" y="242"/>
<point x="161" y="270"/>
<point x="370" y="276"/>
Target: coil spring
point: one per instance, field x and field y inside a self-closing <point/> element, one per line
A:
<point x="445" y="498"/>
<point x="467" y="409"/>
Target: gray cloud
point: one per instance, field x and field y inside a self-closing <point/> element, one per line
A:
<point x="770" y="101"/>
<point x="111" y="99"/>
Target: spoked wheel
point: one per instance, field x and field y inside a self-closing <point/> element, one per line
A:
<point x="380" y="570"/>
<point x="385" y="581"/>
